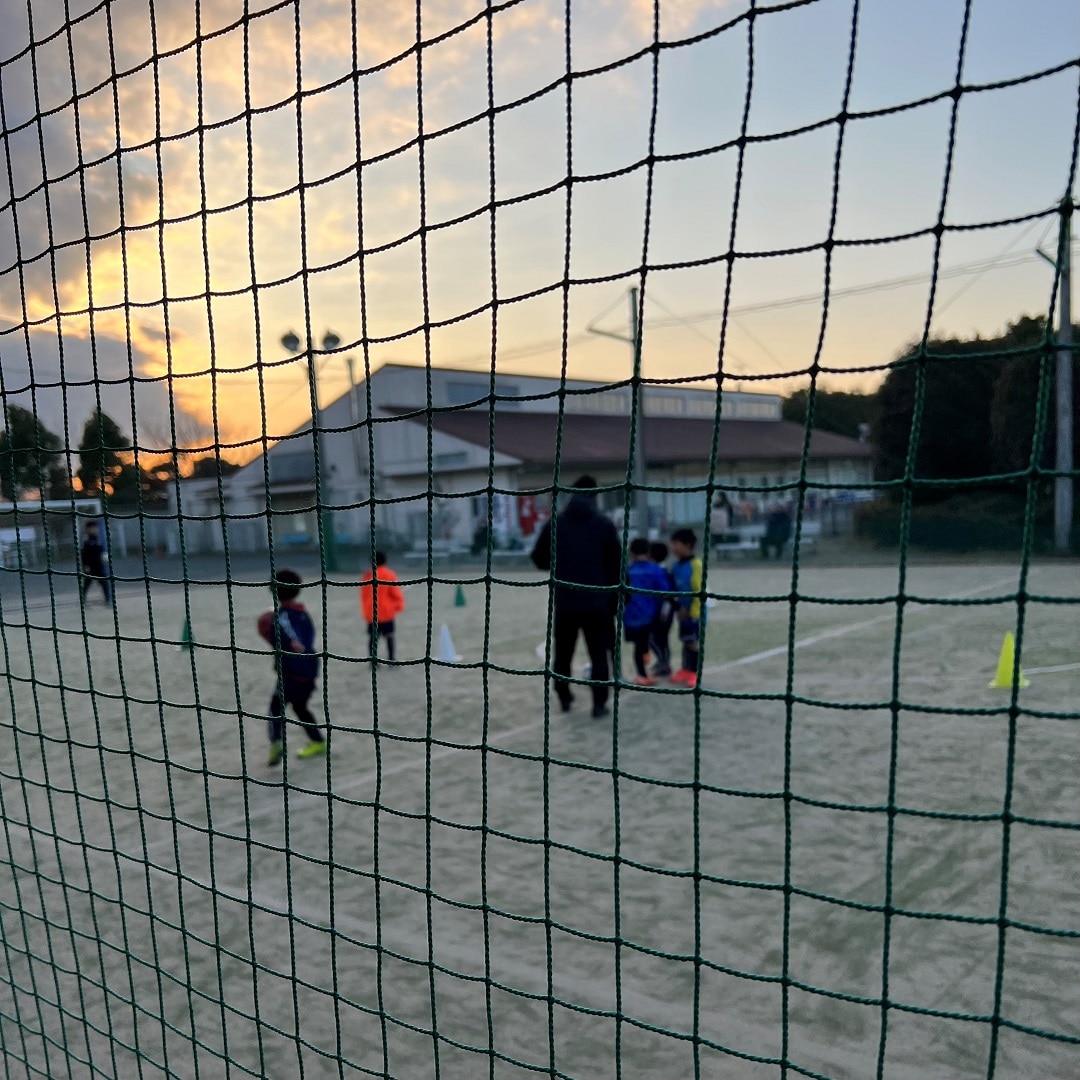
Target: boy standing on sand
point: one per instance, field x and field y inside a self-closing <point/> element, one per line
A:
<point x="289" y="629"/>
<point x="390" y="603"/>
<point x="687" y="575"/>
<point x="647" y="582"/>
<point x="660" y="637"/>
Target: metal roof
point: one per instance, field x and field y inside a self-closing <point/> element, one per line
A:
<point x="532" y="438"/>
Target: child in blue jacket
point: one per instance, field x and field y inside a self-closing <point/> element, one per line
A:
<point x="647" y="584"/>
<point x="660" y="637"/>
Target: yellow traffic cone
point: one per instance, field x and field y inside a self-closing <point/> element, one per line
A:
<point x="1003" y="680"/>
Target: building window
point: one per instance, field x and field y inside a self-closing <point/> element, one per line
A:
<point x="451" y="460"/>
<point x="463" y="393"/>
<point x="293" y="468"/>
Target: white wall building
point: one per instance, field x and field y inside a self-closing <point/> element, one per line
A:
<point x="437" y="443"/>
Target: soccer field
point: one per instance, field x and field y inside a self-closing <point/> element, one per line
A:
<point x="473" y="884"/>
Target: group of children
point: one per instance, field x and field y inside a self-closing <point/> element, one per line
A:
<point x="656" y="596"/>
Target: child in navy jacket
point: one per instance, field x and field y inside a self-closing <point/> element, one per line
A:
<point x="289" y="629"/>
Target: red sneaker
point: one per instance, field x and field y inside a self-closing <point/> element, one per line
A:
<point x="644" y="680"/>
<point x="689" y="680"/>
<point x="680" y="676"/>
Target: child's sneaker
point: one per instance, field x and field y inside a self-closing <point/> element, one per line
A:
<point x="313" y="749"/>
<point x="679" y="676"/>
<point x="277" y="751"/>
<point x="644" y="680"/>
<point x="689" y="679"/>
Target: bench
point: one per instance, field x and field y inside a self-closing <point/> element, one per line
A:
<point x="747" y="541"/>
<point x="440" y="549"/>
<point x="811" y="533"/>
<point x="731" y="547"/>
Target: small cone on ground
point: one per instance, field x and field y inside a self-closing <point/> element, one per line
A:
<point x="1003" y="679"/>
<point x="185" y="637"/>
<point x="447" y="652"/>
<point x="459" y="597"/>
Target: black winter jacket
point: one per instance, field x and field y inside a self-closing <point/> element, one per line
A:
<point x="587" y="552"/>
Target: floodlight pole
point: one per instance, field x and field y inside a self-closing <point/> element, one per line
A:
<point x="1063" y="482"/>
<point x="328" y="545"/>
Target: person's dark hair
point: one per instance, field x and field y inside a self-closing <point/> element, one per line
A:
<point x="90" y="526"/>
<point x="639" y="546"/>
<point x="685" y="536"/>
<point x="380" y="558"/>
<point x="658" y="551"/>
<point x="288" y="584"/>
<point x="586" y="483"/>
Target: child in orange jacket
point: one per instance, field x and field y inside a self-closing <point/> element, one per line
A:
<point x="390" y="601"/>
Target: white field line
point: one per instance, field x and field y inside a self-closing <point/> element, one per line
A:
<point x="850" y="628"/>
<point x="235" y="825"/>
<point x="1051" y="670"/>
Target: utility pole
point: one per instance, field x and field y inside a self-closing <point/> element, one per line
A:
<point x="641" y="500"/>
<point x="641" y="496"/>
<point x="1063" y="484"/>
<point x="1063" y="385"/>
<point x="363" y="469"/>
<point x="354" y="415"/>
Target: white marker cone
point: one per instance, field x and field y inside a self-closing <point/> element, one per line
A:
<point x="447" y="653"/>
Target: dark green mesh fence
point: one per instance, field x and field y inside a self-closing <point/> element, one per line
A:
<point x="826" y="847"/>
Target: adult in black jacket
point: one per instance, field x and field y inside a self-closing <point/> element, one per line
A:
<point x="586" y="552"/>
<point x="95" y="563"/>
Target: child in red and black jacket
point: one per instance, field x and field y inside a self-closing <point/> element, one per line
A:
<point x="289" y="629"/>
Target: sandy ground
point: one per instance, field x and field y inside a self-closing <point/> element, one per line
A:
<point x="700" y="885"/>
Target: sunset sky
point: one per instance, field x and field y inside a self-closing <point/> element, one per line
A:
<point x="179" y="146"/>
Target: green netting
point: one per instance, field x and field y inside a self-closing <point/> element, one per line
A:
<point x="840" y="853"/>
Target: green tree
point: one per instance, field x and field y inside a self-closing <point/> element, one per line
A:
<point x="59" y="482"/>
<point x="134" y="486"/>
<point x="102" y="452"/>
<point x="208" y="467"/>
<point x="979" y="407"/>
<point x="29" y="453"/>
<point x="1016" y="394"/>
<point x="834" y="410"/>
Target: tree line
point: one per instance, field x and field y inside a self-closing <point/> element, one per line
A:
<point x="971" y="403"/>
<point x="33" y="461"/>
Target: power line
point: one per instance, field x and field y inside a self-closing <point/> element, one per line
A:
<point x="854" y="290"/>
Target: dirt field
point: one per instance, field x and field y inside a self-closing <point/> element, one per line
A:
<point x="702" y="884"/>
